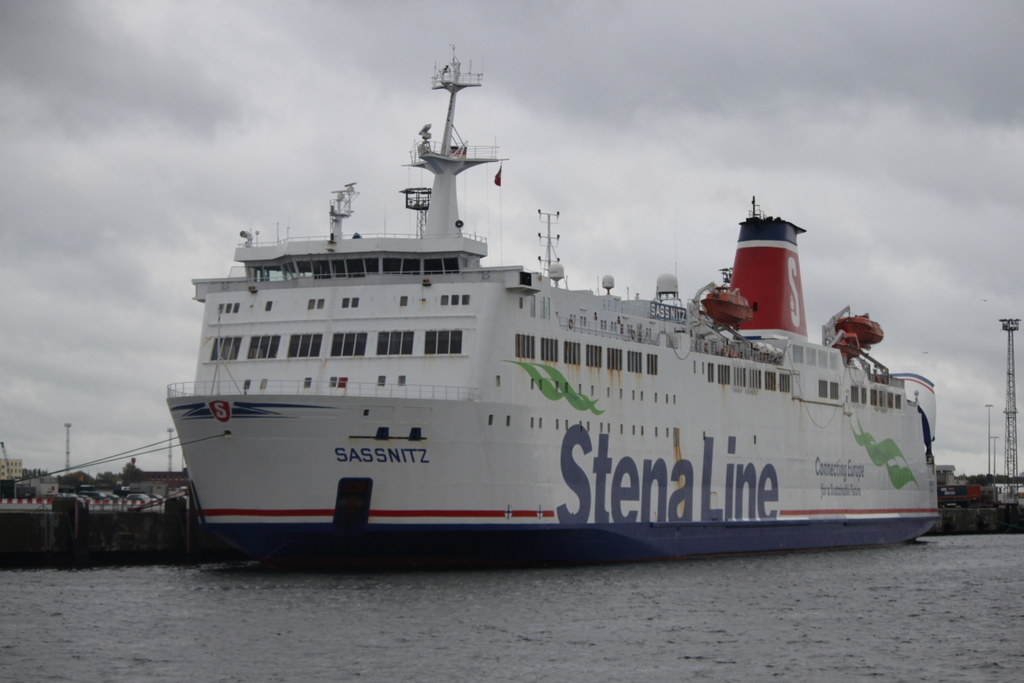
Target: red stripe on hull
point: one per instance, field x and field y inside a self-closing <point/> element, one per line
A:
<point x="248" y="512"/>
<point x="887" y="511"/>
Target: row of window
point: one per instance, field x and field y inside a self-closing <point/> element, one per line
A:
<point x="595" y="355"/>
<point x="351" y="302"/>
<point x="324" y="269"/>
<point x="390" y="343"/>
<point x="828" y="389"/>
<point x="879" y="397"/>
<point x="312" y="304"/>
<point x="603" y="427"/>
<point x="822" y="358"/>
<point x="608" y="391"/>
<point x="771" y="381"/>
<point x="749" y="377"/>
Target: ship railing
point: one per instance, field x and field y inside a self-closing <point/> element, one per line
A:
<point x="338" y="386"/>
<point x="449" y="76"/>
<point x="637" y="333"/>
<point x="362" y="235"/>
<point x="454" y="151"/>
<point x="718" y="347"/>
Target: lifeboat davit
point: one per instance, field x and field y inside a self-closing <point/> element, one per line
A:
<point x="849" y="346"/>
<point x="726" y="307"/>
<point x="867" y="331"/>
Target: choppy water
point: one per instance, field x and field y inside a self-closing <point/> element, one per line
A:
<point x="944" y="609"/>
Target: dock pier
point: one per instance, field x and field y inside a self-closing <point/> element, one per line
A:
<point x="1004" y="519"/>
<point x="66" y="532"/>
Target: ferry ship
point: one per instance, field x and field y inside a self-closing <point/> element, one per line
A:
<point x="372" y="400"/>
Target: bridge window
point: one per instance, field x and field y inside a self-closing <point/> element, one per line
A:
<point x="266" y="273"/>
<point x="436" y="266"/>
<point x="395" y="265"/>
<point x="357" y="267"/>
<point x="321" y="270"/>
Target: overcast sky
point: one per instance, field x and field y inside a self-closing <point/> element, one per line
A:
<point x="138" y="138"/>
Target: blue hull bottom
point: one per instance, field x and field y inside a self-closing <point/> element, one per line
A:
<point x="299" y="546"/>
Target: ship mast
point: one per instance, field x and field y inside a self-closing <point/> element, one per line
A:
<point x="450" y="157"/>
<point x="549" y="241"/>
<point x="341" y="208"/>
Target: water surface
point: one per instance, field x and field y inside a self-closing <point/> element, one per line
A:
<point x="943" y="609"/>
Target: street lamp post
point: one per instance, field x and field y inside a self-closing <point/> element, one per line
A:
<point x="988" y="456"/>
<point x="67" y="448"/>
<point x="170" y="437"/>
<point x="995" y="466"/>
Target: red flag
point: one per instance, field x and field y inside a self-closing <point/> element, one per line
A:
<point x="497" y="178"/>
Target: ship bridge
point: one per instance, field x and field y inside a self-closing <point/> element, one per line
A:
<point x="360" y="256"/>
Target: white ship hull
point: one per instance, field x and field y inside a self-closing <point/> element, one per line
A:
<point x="483" y="486"/>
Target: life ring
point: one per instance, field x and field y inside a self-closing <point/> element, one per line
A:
<point x="570" y="323"/>
<point x="632" y="335"/>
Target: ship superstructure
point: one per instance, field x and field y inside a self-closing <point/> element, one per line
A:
<point x="376" y="400"/>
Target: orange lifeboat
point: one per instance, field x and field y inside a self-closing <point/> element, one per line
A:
<point x="867" y="331"/>
<point x="726" y="307"/>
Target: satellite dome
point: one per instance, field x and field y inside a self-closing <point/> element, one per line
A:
<point x="608" y="283"/>
<point x="556" y="272"/>
<point x="668" y="286"/>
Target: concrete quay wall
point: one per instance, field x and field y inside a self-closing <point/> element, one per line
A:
<point x="991" y="520"/>
<point x="70" y="534"/>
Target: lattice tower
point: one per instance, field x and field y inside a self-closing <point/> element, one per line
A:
<point x="1011" y="325"/>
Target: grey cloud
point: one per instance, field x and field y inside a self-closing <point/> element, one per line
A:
<point x="72" y="65"/>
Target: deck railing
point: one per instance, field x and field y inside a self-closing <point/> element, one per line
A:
<point x="336" y="387"/>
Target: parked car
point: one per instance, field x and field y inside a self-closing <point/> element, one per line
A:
<point x="99" y="496"/>
<point x="140" y="497"/>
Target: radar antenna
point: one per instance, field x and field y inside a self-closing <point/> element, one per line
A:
<point x="341" y="208"/>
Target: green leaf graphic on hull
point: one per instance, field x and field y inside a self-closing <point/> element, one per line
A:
<point x="886" y="454"/>
<point x="555" y="386"/>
